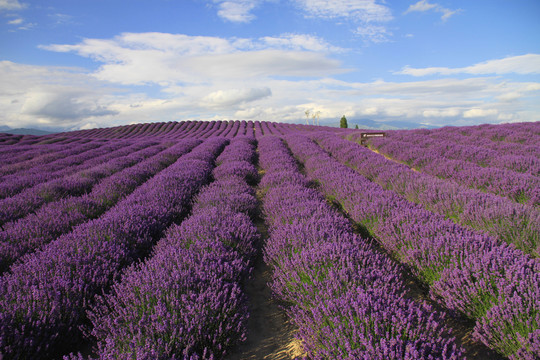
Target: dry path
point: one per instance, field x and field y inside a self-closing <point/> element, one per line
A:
<point x="270" y="335"/>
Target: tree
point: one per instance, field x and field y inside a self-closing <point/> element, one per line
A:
<point x="343" y="122"/>
<point x="356" y="127"/>
<point x="316" y="115"/>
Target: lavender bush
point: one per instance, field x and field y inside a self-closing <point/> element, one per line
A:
<point x="114" y="258"/>
<point x="514" y="223"/>
<point x="59" y="217"/>
<point x="466" y="271"/>
<point x="334" y="281"/>
<point x="186" y="300"/>
<point x="39" y="311"/>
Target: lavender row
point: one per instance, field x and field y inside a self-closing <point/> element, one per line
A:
<point x="215" y="129"/>
<point x="505" y="139"/>
<point x="186" y="300"/>
<point x="8" y="139"/>
<point x="193" y="129"/>
<point x="230" y="131"/>
<point x="25" y="140"/>
<point x="454" y="149"/>
<point x="348" y="300"/>
<point x="53" y="161"/>
<point x="224" y="128"/>
<point x="65" y="166"/>
<point x="15" y="183"/>
<point x="522" y="188"/>
<point x="56" y="152"/>
<point x="10" y="155"/>
<point x="57" y="156"/>
<point x="494" y="284"/>
<point x="518" y="138"/>
<point x="519" y="134"/>
<point x="513" y="223"/>
<point x="57" y="218"/>
<point x="218" y="128"/>
<point x="23" y="152"/>
<point x="75" y="184"/>
<point x="43" y="300"/>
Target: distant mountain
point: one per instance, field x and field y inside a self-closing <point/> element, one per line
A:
<point x="23" y="131"/>
<point x="380" y="125"/>
<point x="387" y="125"/>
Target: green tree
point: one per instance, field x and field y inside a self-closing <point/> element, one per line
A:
<point x="343" y="122"/>
<point x="356" y="127"/>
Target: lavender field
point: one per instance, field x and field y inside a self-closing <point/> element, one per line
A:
<point x="140" y="241"/>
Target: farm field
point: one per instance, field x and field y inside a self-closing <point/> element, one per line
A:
<point x="142" y="242"/>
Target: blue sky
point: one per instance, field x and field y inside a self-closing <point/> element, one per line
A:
<point x="72" y="64"/>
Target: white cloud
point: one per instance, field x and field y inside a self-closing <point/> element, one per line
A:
<point x="374" y="33"/>
<point x="50" y="96"/>
<point x="522" y="64"/>
<point x="231" y="97"/>
<point x="510" y="96"/>
<point x="168" y="59"/>
<point x="270" y="78"/>
<point x="370" y="16"/>
<point x="447" y="13"/>
<point x="362" y="10"/>
<point x="17" y="21"/>
<point x="61" y="19"/>
<point x="359" y="10"/>
<point x="11" y="5"/>
<point x="476" y="112"/>
<point x="299" y="42"/>
<point x="507" y="117"/>
<point x="237" y="10"/>
<point x="62" y="104"/>
<point x="261" y="63"/>
<point x="20" y="24"/>
<point x="438" y="102"/>
<point x="424" y="5"/>
<point x="441" y="113"/>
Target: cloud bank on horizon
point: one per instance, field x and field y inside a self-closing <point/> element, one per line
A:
<point x="430" y="63"/>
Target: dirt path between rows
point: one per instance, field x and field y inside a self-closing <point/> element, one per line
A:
<point x="389" y="158"/>
<point x="270" y="335"/>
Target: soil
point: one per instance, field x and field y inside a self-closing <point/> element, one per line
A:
<point x="270" y="335"/>
<point x="391" y="159"/>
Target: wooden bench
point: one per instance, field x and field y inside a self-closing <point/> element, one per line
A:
<point x="364" y="137"/>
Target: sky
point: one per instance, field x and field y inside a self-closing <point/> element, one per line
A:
<point x="81" y="64"/>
